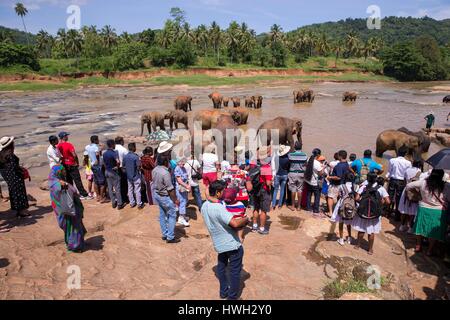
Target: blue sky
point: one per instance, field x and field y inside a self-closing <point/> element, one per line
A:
<point x="136" y="15"/>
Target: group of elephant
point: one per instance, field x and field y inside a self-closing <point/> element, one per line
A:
<point x="309" y="96"/>
<point x="220" y="101"/>
<point x="416" y="142"/>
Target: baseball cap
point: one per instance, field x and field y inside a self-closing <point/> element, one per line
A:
<point x="63" y="134"/>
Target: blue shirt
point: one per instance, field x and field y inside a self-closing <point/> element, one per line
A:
<point x="131" y="164"/>
<point x="283" y="166"/>
<point x="182" y="173"/>
<point x="340" y="171"/>
<point x="110" y="158"/>
<point x="92" y="151"/>
<point x="217" y="220"/>
<point x="297" y="162"/>
<point x="371" y="164"/>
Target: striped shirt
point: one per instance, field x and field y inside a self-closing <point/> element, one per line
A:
<point x="297" y="162"/>
<point x="236" y="209"/>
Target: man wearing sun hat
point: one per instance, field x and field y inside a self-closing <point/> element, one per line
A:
<point x="69" y="160"/>
<point x="281" y="176"/>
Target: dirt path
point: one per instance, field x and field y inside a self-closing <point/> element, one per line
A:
<point x="126" y="259"/>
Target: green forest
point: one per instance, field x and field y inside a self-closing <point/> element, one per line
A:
<point x="407" y="49"/>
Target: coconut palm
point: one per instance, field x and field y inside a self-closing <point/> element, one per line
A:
<point x="276" y="34"/>
<point x="322" y="44"/>
<point x="232" y="38"/>
<point x="352" y="43"/>
<point x="201" y="38"/>
<point x="61" y="40"/>
<point x="22" y="11"/>
<point x="338" y="48"/>
<point x="109" y="37"/>
<point x="44" y="43"/>
<point x="74" y="43"/>
<point x="215" y="38"/>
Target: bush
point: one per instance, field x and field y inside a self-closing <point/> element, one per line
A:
<point x="279" y="54"/>
<point x="12" y="54"/>
<point x="129" y="56"/>
<point x="184" y="53"/>
<point x="160" y="57"/>
<point x="261" y="56"/>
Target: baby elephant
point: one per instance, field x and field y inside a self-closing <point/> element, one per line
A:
<point x="177" y="117"/>
<point x="153" y="120"/>
<point x="446" y="99"/>
<point x="236" y="102"/>
<point x="249" y="102"/>
<point x="226" y="101"/>
<point x="349" y="96"/>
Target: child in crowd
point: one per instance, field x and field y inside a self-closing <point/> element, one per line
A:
<point x="237" y="208"/>
<point x="89" y="173"/>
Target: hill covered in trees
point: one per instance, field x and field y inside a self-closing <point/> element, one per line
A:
<point x="16" y="36"/>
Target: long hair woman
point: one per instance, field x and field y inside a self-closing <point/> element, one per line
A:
<point x="314" y="170"/>
<point x="430" y="220"/>
<point x="72" y="225"/>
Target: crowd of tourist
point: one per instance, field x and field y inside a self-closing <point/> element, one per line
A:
<point x="239" y="193"/>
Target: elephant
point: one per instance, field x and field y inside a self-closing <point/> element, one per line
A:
<point x="446" y="99"/>
<point x="309" y="96"/>
<point x="424" y="139"/>
<point x="240" y="115"/>
<point x="224" y="125"/>
<point x="394" y="140"/>
<point x="236" y="102"/>
<point x="349" y="96"/>
<point x="287" y="128"/>
<point x="209" y="118"/>
<point x="257" y="100"/>
<point x="183" y="103"/>
<point x="298" y="96"/>
<point x="217" y="99"/>
<point x="249" y="102"/>
<point x="153" y="120"/>
<point x="177" y="117"/>
<point x="226" y="101"/>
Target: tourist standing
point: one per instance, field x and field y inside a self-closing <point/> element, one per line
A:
<point x="314" y="170"/>
<point x="166" y="199"/>
<point x="132" y="165"/>
<point x="431" y="220"/>
<point x="122" y="151"/>
<point x="336" y="178"/>
<point x="211" y="165"/>
<point x="194" y="169"/>
<point x="148" y="164"/>
<point x="53" y="155"/>
<point x="408" y="206"/>
<point x="296" y="176"/>
<point x="112" y="167"/>
<point x="70" y="222"/>
<point x="430" y="118"/>
<point x="182" y="190"/>
<point x="362" y="167"/>
<point x="13" y="174"/>
<point x="222" y="227"/>
<point x="94" y="154"/>
<point x="281" y="176"/>
<point x="396" y="176"/>
<point x="69" y="160"/>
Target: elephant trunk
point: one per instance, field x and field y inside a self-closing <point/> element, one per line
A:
<point x="142" y="128"/>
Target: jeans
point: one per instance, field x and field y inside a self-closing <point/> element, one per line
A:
<point x="279" y="184"/>
<point x="313" y="190"/>
<point x="167" y="216"/>
<point x="230" y="288"/>
<point x="113" y="180"/>
<point x="123" y="185"/>
<point x="134" y="191"/>
<point x="395" y="191"/>
<point x="73" y="176"/>
<point x="197" y="196"/>
<point x="150" y="192"/>
<point x="183" y="198"/>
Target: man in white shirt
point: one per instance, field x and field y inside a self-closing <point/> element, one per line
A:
<point x="396" y="176"/>
<point x="122" y="151"/>
<point x="211" y="165"/>
<point x="53" y="154"/>
<point x="193" y="168"/>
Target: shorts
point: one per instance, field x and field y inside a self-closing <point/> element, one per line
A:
<point x="295" y="182"/>
<point x="209" y="178"/>
<point x="333" y="192"/>
<point x="262" y="201"/>
<point x="99" y="176"/>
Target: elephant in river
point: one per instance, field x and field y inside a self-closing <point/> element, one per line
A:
<point x="394" y="140"/>
<point x="236" y="102"/>
<point x="249" y="102"/>
<point x="231" y="135"/>
<point x="257" y="100"/>
<point x="298" y="96"/>
<point x="446" y="99"/>
<point x="183" y="103"/>
<point x="309" y="96"/>
<point x="153" y="120"/>
<point x="287" y="129"/>
<point x="177" y="117"/>
<point x="217" y="99"/>
<point x="226" y="101"/>
<point x="209" y="118"/>
<point x="349" y="96"/>
<point x="240" y="115"/>
<point x="424" y="139"/>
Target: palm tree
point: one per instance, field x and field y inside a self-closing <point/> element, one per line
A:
<point x="201" y="38"/>
<point x="22" y="11"/>
<point x="276" y="34"/>
<point x="61" y="39"/>
<point x="43" y="43"/>
<point x="6" y="36"/>
<point x="232" y="40"/>
<point x="215" y="38"/>
<point x="109" y="37"/>
<point x="322" y="44"/>
<point x="338" y="47"/>
<point x="74" y="43"/>
<point x="352" y="43"/>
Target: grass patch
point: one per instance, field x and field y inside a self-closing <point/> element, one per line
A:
<point x="35" y="86"/>
<point x="338" y="288"/>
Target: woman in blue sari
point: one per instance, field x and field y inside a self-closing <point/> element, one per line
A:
<point x="74" y="230"/>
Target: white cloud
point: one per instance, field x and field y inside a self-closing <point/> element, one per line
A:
<point x="438" y="13"/>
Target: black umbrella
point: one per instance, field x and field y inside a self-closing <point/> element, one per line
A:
<point x="440" y="160"/>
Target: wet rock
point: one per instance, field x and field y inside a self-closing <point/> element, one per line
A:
<point x="359" y="296"/>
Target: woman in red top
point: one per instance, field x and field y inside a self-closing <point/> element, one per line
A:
<point x="148" y="164"/>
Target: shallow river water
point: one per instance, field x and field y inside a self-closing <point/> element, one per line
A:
<point x="328" y="123"/>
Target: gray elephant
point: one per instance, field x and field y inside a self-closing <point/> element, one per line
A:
<point x="153" y="120"/>
<point x="249" y="102"/>
<point x="176" y="117"/>
<point x="424" y="139"/>
<point x="349" y="96"/>
<point x="236" y="102"/>
<point x="183" y="103"/>
<point x="298" y="96"/>
<point x="309" y="96"/>
<point x="287" y="129"/>
<point x="446" y="99"/>
<point x="394" y="140"/>
<point x="226" y="101"/>
<point x="240" y="115"/>
<point x="217" y="100"/>
<point x="257" y="100"/>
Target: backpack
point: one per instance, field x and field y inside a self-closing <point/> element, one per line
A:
<point x="347" y="210"/>
<point x="370" y="206"/>
<point x="255" y="178"/>
<point x="363" y="172"/>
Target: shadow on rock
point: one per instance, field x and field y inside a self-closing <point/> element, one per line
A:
<point x="10" y="221"/>
<point x="244" y="277"/>
<point x="4" y="262"/>
<point x="95" y="243"/>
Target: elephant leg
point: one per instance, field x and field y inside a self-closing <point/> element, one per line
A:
<point x="176" y="125"/>
<point x="149" y="127"/>
<point x="171" y="124"/>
